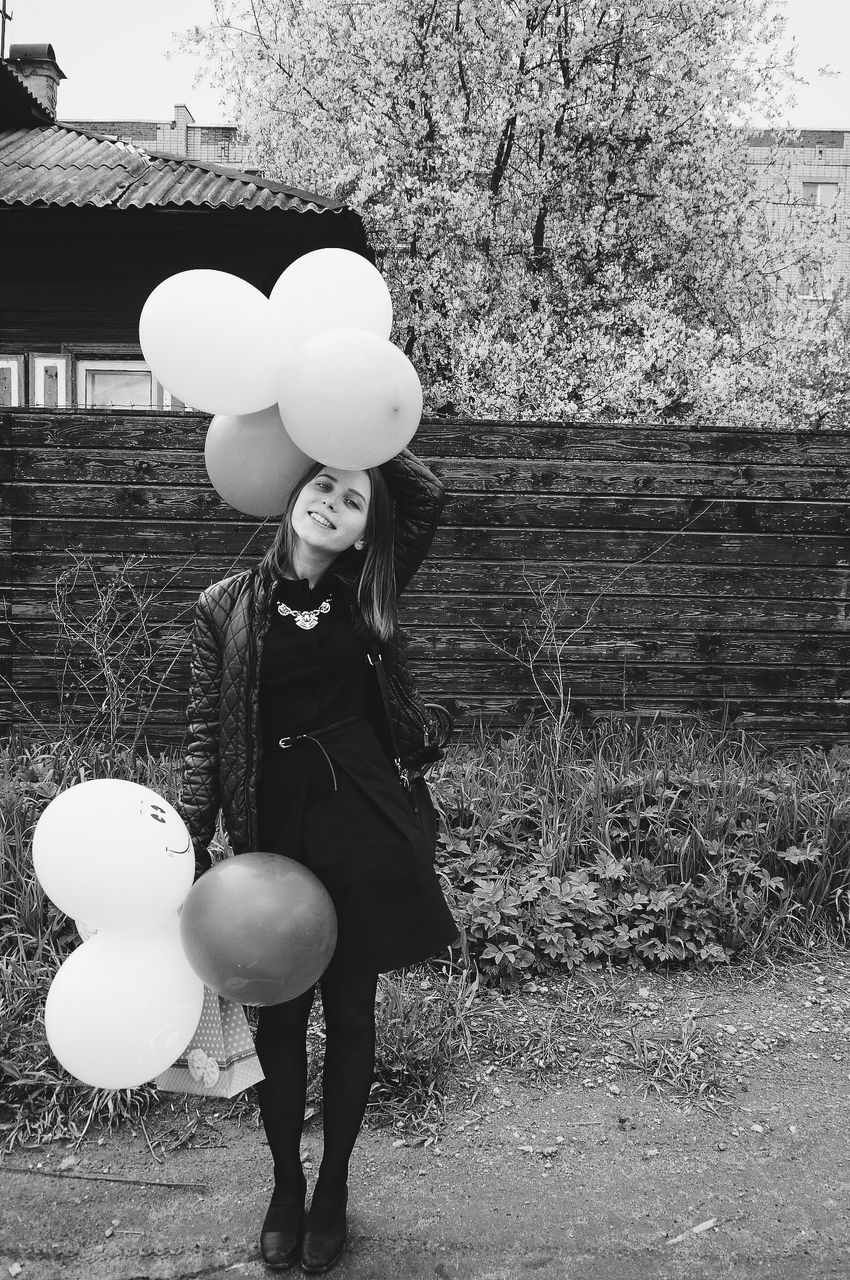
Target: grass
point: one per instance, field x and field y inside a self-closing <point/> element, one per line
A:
<point x="662" y="842"/>
<point x="609" y="853"/>
<point x="424" y="1042"/>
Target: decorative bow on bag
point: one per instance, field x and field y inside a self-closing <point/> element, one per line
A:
<point x="219" y="1060"/>
<point x="202" y="1069"/>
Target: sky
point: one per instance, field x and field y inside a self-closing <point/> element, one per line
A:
<point x="119" y="62"/>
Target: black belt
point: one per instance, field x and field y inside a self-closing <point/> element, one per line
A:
<point x="313" y="736"/>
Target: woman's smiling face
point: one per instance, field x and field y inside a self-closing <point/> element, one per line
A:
<point x="331" y="510"/>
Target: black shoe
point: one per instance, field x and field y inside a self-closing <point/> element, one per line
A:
<point x="280" y="1238"/>
<point x="325" y="1233"/>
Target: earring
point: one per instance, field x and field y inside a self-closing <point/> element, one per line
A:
<point x="358" y="546"/>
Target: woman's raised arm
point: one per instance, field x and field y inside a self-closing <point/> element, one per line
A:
<point x="419" y="499"/>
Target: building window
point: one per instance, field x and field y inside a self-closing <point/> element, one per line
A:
<point x="12" y="383"/>
<point x="86" y="378"/>
<point x="820" y="193"/>
<point x="48" y="381"/>
<point x="814" y="283"/>
<point x="119" y="384"/>
<point x="104" y="388"/>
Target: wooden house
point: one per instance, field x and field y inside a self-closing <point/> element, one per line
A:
<point x="90" y="225"/>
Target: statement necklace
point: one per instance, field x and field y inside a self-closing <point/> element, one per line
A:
<point x="306" y="619"/>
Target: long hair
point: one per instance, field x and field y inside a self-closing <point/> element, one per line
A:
<point x="371" y="572"/>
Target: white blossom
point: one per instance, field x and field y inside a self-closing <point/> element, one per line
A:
<point x="559" y="195"/>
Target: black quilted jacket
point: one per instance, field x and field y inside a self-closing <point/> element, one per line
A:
<point x="222" y="764"/>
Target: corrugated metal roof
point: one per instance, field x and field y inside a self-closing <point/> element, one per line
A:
<point x="58" y="165"/>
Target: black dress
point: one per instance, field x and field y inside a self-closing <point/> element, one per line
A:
<point x="334" y="803"/>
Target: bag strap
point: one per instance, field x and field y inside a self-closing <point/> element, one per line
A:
<point x="376" y="661"/>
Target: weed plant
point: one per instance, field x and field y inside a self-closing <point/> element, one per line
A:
<point x="665" y="843"/>
<point x="423" y="1035"/>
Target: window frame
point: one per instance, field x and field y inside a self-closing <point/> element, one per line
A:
<point x="816" y="184"/>
<point x="16" y="363"/>
<point x="37" y="363"/>
<point x="826" y="293"/>
<point x="120" y="357"/>
<point x="88" y="364"/>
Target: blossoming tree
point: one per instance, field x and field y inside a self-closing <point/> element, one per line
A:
<point x="558" y="193"/>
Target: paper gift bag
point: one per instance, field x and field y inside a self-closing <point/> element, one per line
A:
<point x="219" y="1061"/>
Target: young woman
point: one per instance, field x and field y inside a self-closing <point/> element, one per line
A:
<point x="288" y="736"/>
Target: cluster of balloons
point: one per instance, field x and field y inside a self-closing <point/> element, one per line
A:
<point x="124" y="1005"/>
<point x="307" y="374"/>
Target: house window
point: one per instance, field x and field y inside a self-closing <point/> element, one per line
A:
<point x="120" y="384"/>
<point x="107" y="384"/>
<point x="84" y="377"/>
<point x="820" y="193"/>
<point x="48" y="380"/>
<point x="12" y="386"/>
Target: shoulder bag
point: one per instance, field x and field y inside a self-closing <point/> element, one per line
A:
<point x="418" y="732"/>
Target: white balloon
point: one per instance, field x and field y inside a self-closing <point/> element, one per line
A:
<point x="113" y="853"/>
<point x="251" y="461"/>
<point x="213" y="341"/>
<point x="331" y="289"/>
<point x="123" y="1006"/>
<point x="350" y="400"/>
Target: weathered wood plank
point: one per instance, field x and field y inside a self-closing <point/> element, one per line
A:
<point x="236" y="544"/>
<point x="693" y="547"/>
<point x="686" y="580"/>
<point x="668" y="612"/>
<point x="514" y="510"/>
<point x="673" y="613"/>
<point x="503" y="578"/>
<point x="734" y="649"/>
<point x="559" y="442"/>
<point x="444" y="642"/>
<point x="588" y="680"/>
<point x="628" y="512"/>
<point x="623" y="476"/>
<point x="461" y="438"/>
<point x="221" y="545"/>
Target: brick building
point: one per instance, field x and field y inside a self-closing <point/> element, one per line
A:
<point x="180" y="137"/>
<point x="812" y="167"/>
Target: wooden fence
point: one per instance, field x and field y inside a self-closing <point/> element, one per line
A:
<point x="699" y="570"/>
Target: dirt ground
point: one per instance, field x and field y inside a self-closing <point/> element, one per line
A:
<point x="591" y="1173"/>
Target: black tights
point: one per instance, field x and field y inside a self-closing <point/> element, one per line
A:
<point x="348" y="1001"/>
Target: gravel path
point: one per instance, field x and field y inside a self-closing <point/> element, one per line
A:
<point x="700" y="1128"/>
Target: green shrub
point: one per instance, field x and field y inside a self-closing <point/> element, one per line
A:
<point x="667" y="844"/>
